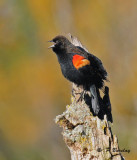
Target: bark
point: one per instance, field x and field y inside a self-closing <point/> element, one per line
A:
<point x="87" y="137"/>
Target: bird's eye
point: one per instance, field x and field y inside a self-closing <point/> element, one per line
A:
<point x="57" y="42"/>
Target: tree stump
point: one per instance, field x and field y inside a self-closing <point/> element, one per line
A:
<point x="86" y="136"/>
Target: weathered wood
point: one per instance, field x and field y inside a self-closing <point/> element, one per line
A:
<point x="87" y="137"/>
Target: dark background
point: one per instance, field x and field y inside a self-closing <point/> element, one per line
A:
<point x="32" y="89"/>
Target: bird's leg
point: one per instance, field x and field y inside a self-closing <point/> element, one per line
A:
<point x="74" y="91"/>
<point x="94" y="100"/>
<point x="81" y="96"/>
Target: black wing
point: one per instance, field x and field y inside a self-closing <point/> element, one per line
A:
<point x="96" y="63"/>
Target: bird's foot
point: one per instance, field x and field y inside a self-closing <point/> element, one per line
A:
<point x="81" y="96"/>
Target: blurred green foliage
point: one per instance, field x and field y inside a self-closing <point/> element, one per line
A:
<point x="32" y="89"/>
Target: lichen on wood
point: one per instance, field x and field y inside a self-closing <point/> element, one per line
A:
<point x="87" y="136"/>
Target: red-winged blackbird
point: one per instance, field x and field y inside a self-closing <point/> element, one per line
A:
<point x="80" y="67"/>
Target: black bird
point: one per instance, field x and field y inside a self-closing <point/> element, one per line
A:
<point x="80" y="67"/>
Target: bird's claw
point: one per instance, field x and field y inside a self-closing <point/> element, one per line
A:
<point x="81" y="96"/>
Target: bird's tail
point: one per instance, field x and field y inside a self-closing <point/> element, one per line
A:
<point x="94" y="99"/>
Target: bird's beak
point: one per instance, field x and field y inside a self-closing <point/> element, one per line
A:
<point x="52" y="46"/>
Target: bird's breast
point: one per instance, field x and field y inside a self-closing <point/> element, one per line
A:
<point x="69" y="71"/>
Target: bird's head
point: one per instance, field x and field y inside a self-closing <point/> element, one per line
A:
<point x="60" y="44"/>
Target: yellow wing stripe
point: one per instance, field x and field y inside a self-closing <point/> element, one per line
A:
<point x="85" y="62"/>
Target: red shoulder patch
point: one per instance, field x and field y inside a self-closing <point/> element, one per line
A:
<point x="80" y="61"/>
